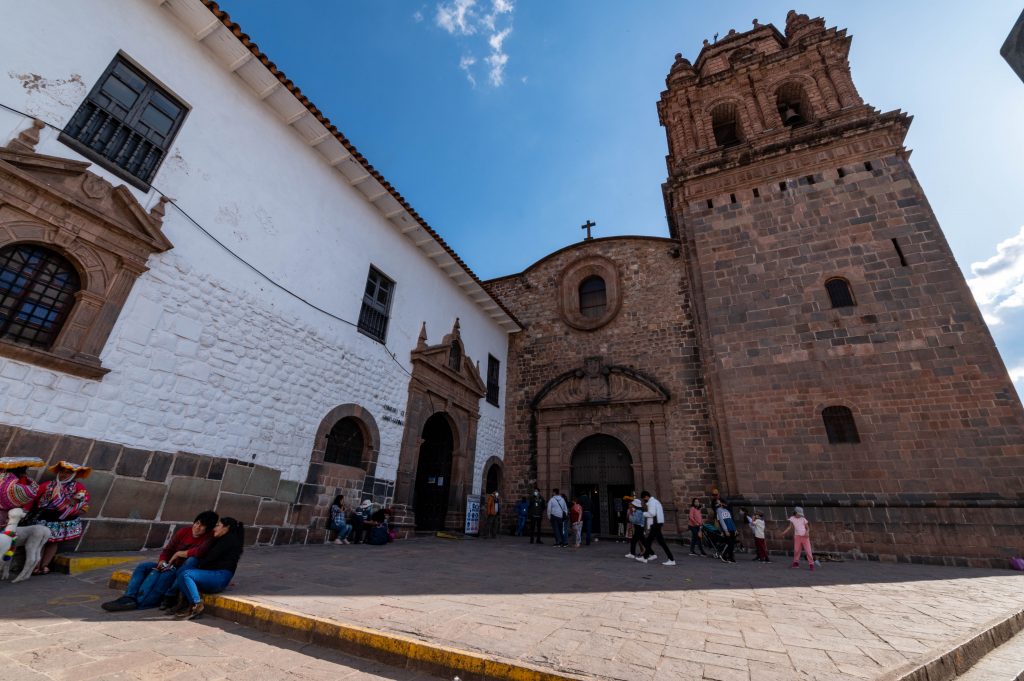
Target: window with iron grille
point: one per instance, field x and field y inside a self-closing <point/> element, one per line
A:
<point x="839" y="425"/>
<point x="493" y="374"/>
<point x="37" y="290"/>
<point x="839" y="292"/>
<point x="126" y="124"/>
<point x="373" y="317"/>
<point x="593" y="297"/>
<point x="345" y="443"/>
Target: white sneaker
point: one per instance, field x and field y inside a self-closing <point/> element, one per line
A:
<point x="641" y="559"/>
<point x="630" y="555"/>
<point x="336" y="541"/>
<point x="669" y="562"/>
<point x="653" y="556"/>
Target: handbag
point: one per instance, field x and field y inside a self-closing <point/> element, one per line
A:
<point x="1017" y="563"/>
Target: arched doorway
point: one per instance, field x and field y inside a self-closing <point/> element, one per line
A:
<point x="492" y="476"/>
<point x="433" y="474"/>
<point x="603" y="469"/>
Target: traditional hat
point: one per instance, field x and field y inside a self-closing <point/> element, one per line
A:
<point x="78" y="470"/>
<point x="8" y="462"/>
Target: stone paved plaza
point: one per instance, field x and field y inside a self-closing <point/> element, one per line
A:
<point x="593" y="613"/>
<point x="53" y="629"/>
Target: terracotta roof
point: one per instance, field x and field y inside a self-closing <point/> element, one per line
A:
<point x="237" y="31"/>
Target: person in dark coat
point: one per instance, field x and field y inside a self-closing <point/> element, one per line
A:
<point x="214" y="570"/>
<point x="535" y="515"/>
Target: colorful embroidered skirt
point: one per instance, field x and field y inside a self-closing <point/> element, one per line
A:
<point x="64" y="530"/>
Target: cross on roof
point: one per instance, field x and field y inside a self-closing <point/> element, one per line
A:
<point x="590" y="223"/>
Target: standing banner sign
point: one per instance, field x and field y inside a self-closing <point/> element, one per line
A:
<point x="473" y="514"/>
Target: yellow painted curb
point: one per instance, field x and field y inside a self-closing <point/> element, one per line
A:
<point x="73" y="565"/>
<point x="367" y="642"/>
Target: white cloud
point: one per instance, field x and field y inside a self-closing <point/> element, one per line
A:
<point x="998" y="283"/>
<point x="417" y="16"/>
<point x="463" y="18"/>
<point x="466" y="63"/>
<point x="457" y="17"/>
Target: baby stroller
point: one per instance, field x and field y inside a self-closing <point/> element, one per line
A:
<point x="712" y="539"/>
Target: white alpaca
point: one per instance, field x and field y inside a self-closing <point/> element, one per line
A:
<point x="32" y="537"/>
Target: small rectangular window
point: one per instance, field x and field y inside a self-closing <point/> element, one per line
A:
<point x="493" y="373"/>
<point x="126" y="124"/>
<point x="373" y="316"/>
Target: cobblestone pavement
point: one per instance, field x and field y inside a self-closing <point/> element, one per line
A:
<point x="52" y="628"/>
<point x="589" y="611"/>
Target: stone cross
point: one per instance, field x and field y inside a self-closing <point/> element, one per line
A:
<point x="590" y="223"/>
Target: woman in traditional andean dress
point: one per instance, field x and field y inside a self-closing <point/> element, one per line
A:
<point x="59" y="503"/>
<point x="16" y="489"/>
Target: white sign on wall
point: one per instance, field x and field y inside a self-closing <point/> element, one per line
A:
<point x="473" y="514"/>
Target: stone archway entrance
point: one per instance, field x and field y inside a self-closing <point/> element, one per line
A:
<point x="603" y="469"/>
<point x="434" y="474"/>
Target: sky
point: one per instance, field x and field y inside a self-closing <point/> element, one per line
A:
<point x="509" y="123"/>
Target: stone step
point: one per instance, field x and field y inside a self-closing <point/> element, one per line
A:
<point x="77" y="563"/>
<point x="1005" y="663"/>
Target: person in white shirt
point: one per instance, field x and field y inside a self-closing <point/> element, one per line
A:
<point x="756" y="521"/>
<point x="557" y="513"/>
<point x="656" y="515"/>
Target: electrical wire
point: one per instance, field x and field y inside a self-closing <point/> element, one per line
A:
<point x="266" y="277"/>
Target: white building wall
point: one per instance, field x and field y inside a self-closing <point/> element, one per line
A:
<point x="208" y="356"/>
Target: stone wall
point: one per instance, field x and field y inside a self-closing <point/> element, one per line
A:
<point x="138" y="496"/>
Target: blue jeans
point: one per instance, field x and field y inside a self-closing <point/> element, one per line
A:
<point x="520" y="525"/>
<point x="147" y="585"/>
<point x="191" y="581"/>
<point x="558" y="525"/>
<point x="342" y="529"/>
<point x="588" y="519"/>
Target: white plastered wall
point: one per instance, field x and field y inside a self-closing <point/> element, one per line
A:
<point x="207" y="356"/>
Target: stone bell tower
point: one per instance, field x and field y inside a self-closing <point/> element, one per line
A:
<point x="848" y="367"/>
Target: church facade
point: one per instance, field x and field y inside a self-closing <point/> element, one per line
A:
<point x="210" y="297"/>
<point x="803" y="337"/>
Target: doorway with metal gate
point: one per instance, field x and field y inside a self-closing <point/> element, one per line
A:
<point x="603" y="469"/>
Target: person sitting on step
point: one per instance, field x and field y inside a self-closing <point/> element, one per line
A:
<point x="153" y="583"/>
<point x="214" y="571"/>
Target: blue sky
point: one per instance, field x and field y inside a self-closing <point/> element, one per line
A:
<point x="508" y="123"/>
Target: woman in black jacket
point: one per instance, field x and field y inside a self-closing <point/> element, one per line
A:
<point x="215" y="569"/>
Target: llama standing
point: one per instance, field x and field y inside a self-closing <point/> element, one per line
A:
<point x="32" y="537"/>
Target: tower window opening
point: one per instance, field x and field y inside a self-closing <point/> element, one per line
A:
<point x="839" y="425"/>
<point x="725" y="125"/>
<point x="793" y="105"/>
<point x="732" y="198"/>
<point x="841" y="172"/>
<point x="782" y="186"/>
<point x="868" y="166"/>
<point x="899" y="252"/>
<point x="711" y="204"/>
<point x="757" y="194"/>
<point x="810" y="179"/>
<point x="839" y="292"/>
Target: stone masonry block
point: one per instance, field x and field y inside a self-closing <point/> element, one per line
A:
<point x="133" y="462"/>
<point x="271" y="513"/>
<point x="134" y="499"/>
<point x="31" y="443"/>
<point x="189" y="496"/>
<point x="112" y="535"/>
<point x="185" y="464"/>
<point x="159" y="466"/>
<point x="98" y="484"/>
<point x="104" y="455"/>
<point x="287" y="491"/>
<point x="159" y="533"/>
<point x="241" y="507"/>
<point x="235" y="478"/>
<point x="263" y="482"/>
<point x="73" y="449"/>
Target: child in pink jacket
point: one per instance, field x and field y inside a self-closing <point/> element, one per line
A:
<point x="801" y="530"/>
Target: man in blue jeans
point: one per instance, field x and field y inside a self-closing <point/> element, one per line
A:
<point x="558" y="512"/>
<point x="151" y="582"/>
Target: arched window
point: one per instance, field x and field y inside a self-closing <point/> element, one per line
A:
<point x="839" y="292"/>
<point x="455" y="357"/>
<point x="725" y="125"/>
<point x="839" y="425"/>
<point x="793" y="105"/>
<point x="345" y="443"/>
<point x="37" y="290"/>
<point x="593" y="297"/>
